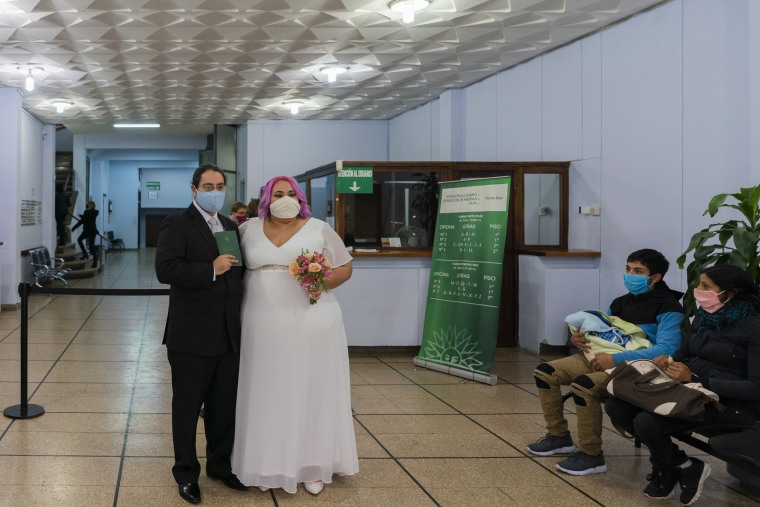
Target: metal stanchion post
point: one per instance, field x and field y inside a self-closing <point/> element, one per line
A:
<point x="24" y="410"/>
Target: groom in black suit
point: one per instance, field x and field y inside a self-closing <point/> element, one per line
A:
<point x="202" y="334"/>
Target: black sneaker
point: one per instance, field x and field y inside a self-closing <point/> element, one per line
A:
<point x="550" y="444"/>
<point x="691" y="479"/>
<point x="581" y="463"/>
<point x="661" y="484"/>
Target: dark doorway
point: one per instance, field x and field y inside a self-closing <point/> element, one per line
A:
<point x="152" y="226"/>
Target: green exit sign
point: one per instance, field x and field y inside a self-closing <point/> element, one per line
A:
<point x="153" y="185"/>
<point x="355" y="180"/>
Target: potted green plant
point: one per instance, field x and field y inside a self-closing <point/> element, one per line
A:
<point x="731" y="242"/>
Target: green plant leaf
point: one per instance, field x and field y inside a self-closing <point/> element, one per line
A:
<point x="706" y="252"/>
<point x="725" y="235"/>
<point x="699" y="239"/>
<point x="737" y="259"/>
<point x="754" y="199"/>
<point x="746" y="242"/>
<point x="746" y="209"/>
<point x="715" y="204"/>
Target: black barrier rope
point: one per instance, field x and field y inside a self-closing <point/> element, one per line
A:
<point x="24" y="410"/>
<point x="96" y="292"/>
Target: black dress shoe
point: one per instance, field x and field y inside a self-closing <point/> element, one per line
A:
<point x="231" y="481"/>
<point x="190" y="492"/>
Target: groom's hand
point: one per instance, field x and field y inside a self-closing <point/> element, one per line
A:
<point x="223" y="263"/>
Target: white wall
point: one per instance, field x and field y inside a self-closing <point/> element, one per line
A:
<point x="31" y="182"/>
<point x="718" y="131"/>
<point x="378" y="316"/>
<point x="480" y="134"/>
<point x="642" y="119"/>
<point x="657" y="114"/>
<point x="27" y="174"/>
<point x="175" y="186"/>
<point x="518" y="120"/>
<point x="124" y="183"/>
<point x="543" y="284"/>
<point x="290" y="147"/>
<point x="418" y="121"/>
<point x="10" y="230"/>
<point x="753" y="17"/>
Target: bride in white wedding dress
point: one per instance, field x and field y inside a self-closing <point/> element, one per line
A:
<point x="293" y="421"/>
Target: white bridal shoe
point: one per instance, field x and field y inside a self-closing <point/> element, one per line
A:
<point x="263" y="488"/>
<point x="313" y="487"/>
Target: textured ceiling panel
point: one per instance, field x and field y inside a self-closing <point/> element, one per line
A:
<point x="227" y="61"/>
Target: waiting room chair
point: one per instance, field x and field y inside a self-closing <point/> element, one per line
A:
<point x="113" y="242"/>
<point x="45" y="268"/>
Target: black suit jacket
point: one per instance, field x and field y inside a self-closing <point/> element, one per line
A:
<point x="88" y="221"/>
<point x="204" y="315"/>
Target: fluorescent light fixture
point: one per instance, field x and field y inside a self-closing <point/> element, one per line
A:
<point x="294" y="106"/>
<point x="333" y="72"/>
<point x="136" y="125"/>
<point x="29" y="71"/>
<point x="61" y="105"/>
<point x="407" y="8"/>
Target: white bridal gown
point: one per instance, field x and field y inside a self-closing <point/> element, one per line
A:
<point x="293" y="421"/>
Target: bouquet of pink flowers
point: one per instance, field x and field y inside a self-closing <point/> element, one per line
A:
<point x="310" y="270"/>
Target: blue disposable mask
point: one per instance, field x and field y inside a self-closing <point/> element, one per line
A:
<point x="210" y="201"/>
<point x="636" y="284"/>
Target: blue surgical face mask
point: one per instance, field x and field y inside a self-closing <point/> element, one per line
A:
<point x="210" y="201"/>
<point x="636" y="284"/>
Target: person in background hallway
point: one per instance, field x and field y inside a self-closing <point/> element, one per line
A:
<point x="87" y="221"/>
<point x="239" y="212"/>
<point x="651" y="305"/>
<point x="62" y="203"/>
<point x="202" y="333"/>
<point x="294" y="421"/>
<point x="721" y="352"/>
<point x="253" y="208"/>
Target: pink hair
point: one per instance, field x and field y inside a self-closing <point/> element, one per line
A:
<point x="266" y="197"/>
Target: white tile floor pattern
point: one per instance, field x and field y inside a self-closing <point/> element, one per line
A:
<point x="98" y="368"/>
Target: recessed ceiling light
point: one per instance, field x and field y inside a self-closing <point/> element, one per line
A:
<point x="333" y="72"/>
<point x="407" y="8"/>
<point x="136" y="125"/>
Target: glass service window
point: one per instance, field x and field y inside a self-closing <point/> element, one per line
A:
<point x="322" y="198"/>
<point x="542" y="213"/>
<point x="400" y="212"/>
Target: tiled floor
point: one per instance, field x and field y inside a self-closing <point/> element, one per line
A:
<point x="424" y="438"/>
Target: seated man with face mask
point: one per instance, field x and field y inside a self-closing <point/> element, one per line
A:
<point x="649" y="304"/>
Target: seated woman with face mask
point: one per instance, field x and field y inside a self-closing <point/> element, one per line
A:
<point x="722" y="352"/>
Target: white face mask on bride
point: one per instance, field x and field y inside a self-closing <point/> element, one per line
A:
<point x="285" y="207"/>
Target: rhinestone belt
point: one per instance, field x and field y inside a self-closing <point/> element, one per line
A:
<point x="271" y="267"/>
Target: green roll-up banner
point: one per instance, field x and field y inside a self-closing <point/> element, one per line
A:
<point x="464" y="294"/>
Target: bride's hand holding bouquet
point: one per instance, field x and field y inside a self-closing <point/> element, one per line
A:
<point x="310" y="269"/>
